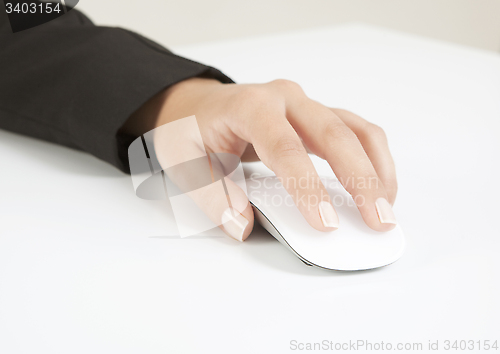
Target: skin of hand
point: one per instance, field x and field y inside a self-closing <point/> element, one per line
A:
<point x="278" y="124"/>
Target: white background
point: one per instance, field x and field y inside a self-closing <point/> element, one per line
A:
<point x="85" y="266"/>
<point x="172" y="22"/>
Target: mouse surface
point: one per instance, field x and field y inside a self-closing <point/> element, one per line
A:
<point x="353" y="246"/>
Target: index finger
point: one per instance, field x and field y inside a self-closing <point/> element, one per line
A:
<point x="279" y="147"/>
<point x="330" y="138"/>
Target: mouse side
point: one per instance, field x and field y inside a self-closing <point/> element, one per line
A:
<point x="354" y="246"/>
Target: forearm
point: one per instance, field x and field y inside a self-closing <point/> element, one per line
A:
<point x="79" y="89"/>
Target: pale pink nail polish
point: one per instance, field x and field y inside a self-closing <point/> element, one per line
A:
<point x="328" y="215"/>
<point x="384" y="211"/>
<point x="234" y="223"/>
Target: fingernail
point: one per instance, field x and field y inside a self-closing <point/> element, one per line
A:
<point x="384" y="211"/>
<point x="234" y="223"/>
<point x="328" y="215"/>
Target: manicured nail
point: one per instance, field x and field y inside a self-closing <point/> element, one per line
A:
<point x="328" y="215"/>
<point x="234" y="223"/>
<point x="384" y="211"/>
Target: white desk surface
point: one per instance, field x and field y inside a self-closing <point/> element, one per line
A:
<point x="87" y="267"/>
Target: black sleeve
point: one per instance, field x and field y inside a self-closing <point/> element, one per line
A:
<point x="75" y="84"/>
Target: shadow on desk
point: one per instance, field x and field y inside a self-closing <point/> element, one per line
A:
<point x="50" y="158"/>
<point x="264" y="248"/>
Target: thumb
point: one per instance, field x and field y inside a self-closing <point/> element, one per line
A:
<point x="236" y="220"/>
<point x="218" y="196"/>
<point x="228" y="209"/>
<point x="215" y="182"/>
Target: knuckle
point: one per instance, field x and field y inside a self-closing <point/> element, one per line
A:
<point x="287" y="146"/>
<point x="374" y="131"/>
<point x="335" y="130"/>
<point x="287" y="85"/>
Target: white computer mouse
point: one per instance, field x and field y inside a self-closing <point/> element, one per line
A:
<point x="353" y="246"/>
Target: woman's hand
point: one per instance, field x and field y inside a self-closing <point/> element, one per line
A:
<point x="278" y="124"/>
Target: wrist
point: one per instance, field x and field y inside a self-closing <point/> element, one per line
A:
<point x="182" y="99"/>
<point x="164" y="107"/>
